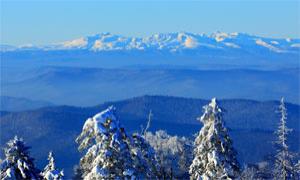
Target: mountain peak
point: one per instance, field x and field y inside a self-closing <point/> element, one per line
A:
<point x="174" y="42"/>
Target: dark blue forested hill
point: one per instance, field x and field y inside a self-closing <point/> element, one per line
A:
<point x="251" y="125"/>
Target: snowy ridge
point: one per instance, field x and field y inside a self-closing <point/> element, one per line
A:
<point x="170" y="42"/>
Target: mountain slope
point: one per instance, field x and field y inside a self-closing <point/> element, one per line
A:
<point x="251" y="124"/>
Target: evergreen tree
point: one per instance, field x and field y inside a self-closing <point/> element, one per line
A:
<point x="77" y="173"/>
<point x="144" y="158"/>
<point x="283" y="164"/>
<point x="172" y="153"/>
<point x="297" y="167"/>
<point x="144" y="155"/>
<point x="215" y="157"/>
<point x="249" y="173"/>
<point x="17" y="163"/>
<point x="107" y="148"/>
<point x="50" y="171"/>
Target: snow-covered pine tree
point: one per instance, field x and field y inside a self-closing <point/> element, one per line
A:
<point x="17" y="163"/>
<point x="284" y="168"/>
<point x="172" y="153"/>
<point x="144" y="158"/>
<point x="50" y="172"/>
<point x="108" y="155"/>
<point x="297" y="167"/>
<point x="249" y="173"/>
<point x="215" y="157"/>
<point x="77" y="173"/>
<point x="143" y="154"/>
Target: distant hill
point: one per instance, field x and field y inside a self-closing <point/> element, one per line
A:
<point x="20" y="104"/>
<point x="80" y="86"/>
<point x="251" y="125"/>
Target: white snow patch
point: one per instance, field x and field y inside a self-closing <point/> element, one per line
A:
<point x="221" y="36"/>
<point x="234" y="34"/>
<point x="26" y="46"/>
<point x="76" y="43"/>
<point x="95" y="124"/>
<point x="10" y="173"/>
<point x="98" y="45"/>
<point x="209" y="45"/>
<point x="101" y="171"/>
<point x="88" y="124"/>
<point x="101" y="118"/>
<point x="128" y="172"/>
<point x="21" y="169"/>
<point x="213" y="103"/>
<point x="232" y="45"/>
<point x="297" y="45"/>
<point x="269" y="46"/>
<point x="275" y="42"/>
<point x="180" y="37"/>
<point x="54" y="175"/>
<point x="104" y="115"/>
<point x="190" y="42"/>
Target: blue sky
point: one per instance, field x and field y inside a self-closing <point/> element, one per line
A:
<point x="42" y="22"/>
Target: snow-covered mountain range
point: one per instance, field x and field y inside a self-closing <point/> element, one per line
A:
<point x="171" y="42"/>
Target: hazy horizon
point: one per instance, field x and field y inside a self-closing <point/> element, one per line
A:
<point x="55" y="21"/>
